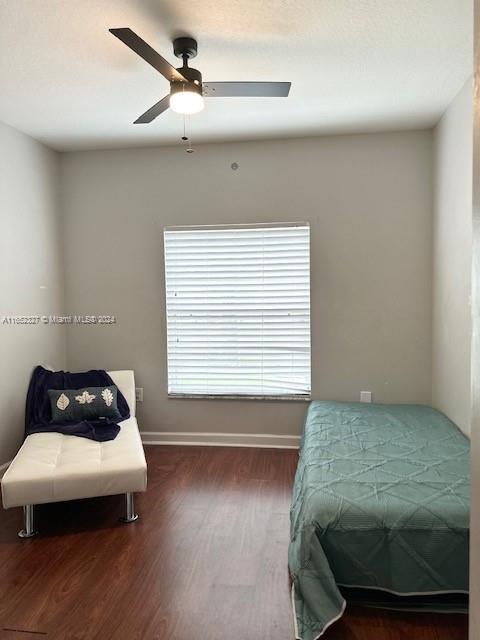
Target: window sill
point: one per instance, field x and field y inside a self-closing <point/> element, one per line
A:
<point x="201" y="396"/>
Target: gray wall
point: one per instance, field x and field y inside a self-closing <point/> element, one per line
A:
<point x="369" y="201"/>
<point x="452" y="254"/>
<point x="30" y="273"/>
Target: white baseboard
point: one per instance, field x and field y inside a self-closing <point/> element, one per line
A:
<point x="262" y="440"/>
<point x="4" y="467"/>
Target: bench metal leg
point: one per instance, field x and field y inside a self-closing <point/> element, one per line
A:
<point x="130" y="515"/>
<point x="28" y="530"/>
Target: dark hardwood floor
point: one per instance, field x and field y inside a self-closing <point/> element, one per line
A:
<point x="206" y="561"/>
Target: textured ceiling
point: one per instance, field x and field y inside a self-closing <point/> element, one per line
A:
<point x="355" y="65"/>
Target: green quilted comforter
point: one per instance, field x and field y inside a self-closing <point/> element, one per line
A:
<point x="381" y="500"/>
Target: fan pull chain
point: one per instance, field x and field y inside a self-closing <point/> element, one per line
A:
<point x="185" y="138"/>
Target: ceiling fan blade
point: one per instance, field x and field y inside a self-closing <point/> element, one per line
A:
<point x="145" y="51"/>
<point x="246" y="89"/>
<point x="158" y="108"/>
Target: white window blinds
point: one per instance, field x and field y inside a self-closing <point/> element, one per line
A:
<point x="238" y="310"/>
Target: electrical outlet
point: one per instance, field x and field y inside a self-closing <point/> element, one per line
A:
<point x="365" y="396"/>
<point x="139" y="394"/>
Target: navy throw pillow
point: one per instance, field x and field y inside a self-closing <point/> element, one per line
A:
<point x="89" y="403"/>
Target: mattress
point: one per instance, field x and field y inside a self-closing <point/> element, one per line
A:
<point x="380" y="501"/>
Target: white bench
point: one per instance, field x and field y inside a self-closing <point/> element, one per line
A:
<point x="52" y="467"/>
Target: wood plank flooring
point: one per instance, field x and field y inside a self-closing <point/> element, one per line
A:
<point x="206" y="561"/>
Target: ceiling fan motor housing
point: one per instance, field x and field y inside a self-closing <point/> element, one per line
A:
<point x="194" y="83"/>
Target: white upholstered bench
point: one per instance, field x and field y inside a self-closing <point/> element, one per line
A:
<point x="52" y="467"/>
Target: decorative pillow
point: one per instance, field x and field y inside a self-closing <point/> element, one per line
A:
<point x="89" y="403"/>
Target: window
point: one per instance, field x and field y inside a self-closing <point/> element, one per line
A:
<point x="238" y="310"/>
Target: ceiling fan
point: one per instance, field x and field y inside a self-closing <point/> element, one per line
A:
<point x="186" y="87"/>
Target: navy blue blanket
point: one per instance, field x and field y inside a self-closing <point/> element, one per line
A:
<point x="38" y="414"/>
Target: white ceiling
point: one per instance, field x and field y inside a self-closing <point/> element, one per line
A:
<point x="355" y="65"/>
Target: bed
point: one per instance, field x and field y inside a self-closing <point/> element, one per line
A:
<point x="380" y="502"/>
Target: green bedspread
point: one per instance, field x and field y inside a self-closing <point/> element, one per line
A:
<point x="381" y="500"/>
